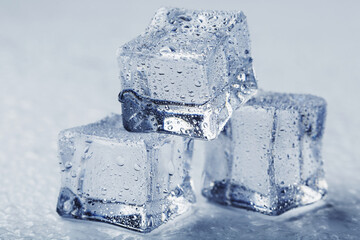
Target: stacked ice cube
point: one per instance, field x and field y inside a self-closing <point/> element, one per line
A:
<point x="268" y="156"/>
<point x="187" y="73"/>
<point x="189" y="76"/>
<point x="134" y="180"/>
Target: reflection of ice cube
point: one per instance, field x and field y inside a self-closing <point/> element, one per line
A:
<point x="268" y="156"/>
<point x="133" y="180"/>
<point x="194" y="66"/>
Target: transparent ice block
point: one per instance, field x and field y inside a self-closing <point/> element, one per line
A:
<point x="133" y="180"/>
<point x="268" y="158"/>
<point x="187" y="73"/>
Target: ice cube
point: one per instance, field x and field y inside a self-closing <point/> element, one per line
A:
<point x="187" y="73"/>
<point x="268" y="158"/>
<point x="134" y="180"/>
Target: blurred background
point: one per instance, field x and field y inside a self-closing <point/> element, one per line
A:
<point x="58" y="69"/>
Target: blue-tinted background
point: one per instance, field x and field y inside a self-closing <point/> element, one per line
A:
<point x="58" y="69"/>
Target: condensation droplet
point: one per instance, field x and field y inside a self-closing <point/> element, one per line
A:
<point x="236" y="85"/>
<point x="120" y="161"/>
<point x="137" y="167"/>
<point x="198" y="84"/>
<point x="68" y="165"/>
<point x="171" y="168"/>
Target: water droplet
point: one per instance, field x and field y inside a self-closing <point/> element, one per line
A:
<point x="167" y="49"/>
<point x="236" y="85"/>
<point x="67" y="206"/>
<point x="68" y="165"/>
<point x="120" y="161"/>
<point x="241" y="77"/>
<point x="137" y="167"/>
<point x="171" y="168"/>
<point x="185" y="18"/>
<point x="182" y="130"/>
<point x="198" y="84"/>
<point x="103" y="191"/>
<point x="86" y="149"/>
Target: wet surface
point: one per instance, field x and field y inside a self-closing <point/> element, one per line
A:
<point x="58" y="70"/>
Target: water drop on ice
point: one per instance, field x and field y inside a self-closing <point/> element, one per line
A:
<point x="120" y="161"/>
<point x="171" y="168"/>
<point x="137" y="167"/>
<point x="68" y="165"/>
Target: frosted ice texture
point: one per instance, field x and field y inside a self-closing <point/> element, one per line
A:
<point x="268" y="156"/>
<point x="187" y="72"/>
<point x="133" y="180"/>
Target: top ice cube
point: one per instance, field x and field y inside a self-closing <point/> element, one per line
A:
<point x="187" y="72"/>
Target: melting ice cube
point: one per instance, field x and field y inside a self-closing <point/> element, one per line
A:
<point x="187" y="73"/>
<point x="268" y="156"/>
<point x="133" y="180"/>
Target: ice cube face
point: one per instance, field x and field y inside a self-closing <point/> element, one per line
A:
<point x="187" y="73"/>
<point x="268" y="156"/>
<point x="134" y="180"/>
